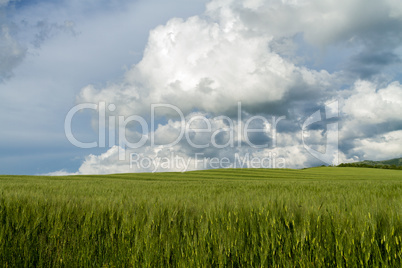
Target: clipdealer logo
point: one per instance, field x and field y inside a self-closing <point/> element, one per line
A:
<point x="238" y="131"/>
<point x="330" y="156"/>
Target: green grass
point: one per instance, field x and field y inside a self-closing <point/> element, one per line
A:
<point x="331" y="217"/>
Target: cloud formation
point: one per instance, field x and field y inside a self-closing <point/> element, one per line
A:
<point x="11" y="51"/>
<point x="249" y="52"/>
<point x="209" y="64"/>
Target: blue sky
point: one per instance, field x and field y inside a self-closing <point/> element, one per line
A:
<point x="279" y="58"/>
<point x="43" y="85"/>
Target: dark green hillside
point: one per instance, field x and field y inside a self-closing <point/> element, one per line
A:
<point x="396" y="162"/>
<point x="385" y="164"/>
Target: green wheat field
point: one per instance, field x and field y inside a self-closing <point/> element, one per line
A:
<point x="318" y="217"/>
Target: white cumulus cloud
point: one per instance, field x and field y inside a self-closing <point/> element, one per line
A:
<point x="236" y="51"/>
<point x="208" y="64"/>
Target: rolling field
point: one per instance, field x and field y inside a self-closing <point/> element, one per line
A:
<point x="331" y="217"/>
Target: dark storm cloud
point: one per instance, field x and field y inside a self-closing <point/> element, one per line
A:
<point x="369" y="63"/>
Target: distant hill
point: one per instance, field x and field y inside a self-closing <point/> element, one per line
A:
<point x="395" y="163"/>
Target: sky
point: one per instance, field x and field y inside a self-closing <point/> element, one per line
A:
<point x="99" y="87"/>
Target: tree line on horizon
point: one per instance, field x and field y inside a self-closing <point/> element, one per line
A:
<point x="387" y="164"/>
